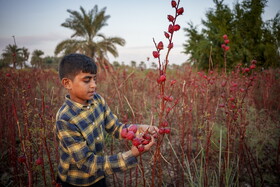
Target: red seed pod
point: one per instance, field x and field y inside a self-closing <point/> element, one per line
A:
<point x="161" y="131"/>
<point x="8" y="75"/>
<point x="168" y="109"/>
<point x="247" y="69"/>
<point x="161" y="79"/>
<point x="172" y="82"/>
<point x="170" y="46"/>
<point x="164" y="124"/>
<point x="231" y="99"/>
<point x="234" y="84"/>
<point x="227" y="41"/>
<point x="136" y="142"/>
<point x="170" y="18"/>
<point x="253" y="66"/>
<point x="170" y="28"/>
<point x="167" y="130"/>
<point x="233" y="106"/>
<point x="145" y="142"/>
<point x="155" y="54"/>
<point x="130" y="135"/>
<point x="141" y="148"/>
<point x="133" y="128"/>
<point x="223" y="46"/>
<point x="227" y="48"/>
<point x="21" y="159"/>
<point x="180" y="11"/>
<point x="166" y="35"/>
<point x="124" y="133"/>
<point x="39" y="161"/>
<point x="176" y="27"/>
<point x="160" y="46"/>
<point x="224" y="83"/>
<point x="147" y="136"/>
<point x="173" y="4"/>
<point x="225" y="37"/>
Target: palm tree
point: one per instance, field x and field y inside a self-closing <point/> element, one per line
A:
<point x="36" y="59"/>
<point x="25" y="55"/>
<point x="87" y="38"/>
<point x="11" y="55"/>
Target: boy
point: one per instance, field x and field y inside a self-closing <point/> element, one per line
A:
<point x="80" y="123"/>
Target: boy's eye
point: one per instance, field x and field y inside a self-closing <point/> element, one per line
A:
<point x="86" y="80"/>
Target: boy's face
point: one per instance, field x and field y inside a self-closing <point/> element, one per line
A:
<point x="81" y="88"/>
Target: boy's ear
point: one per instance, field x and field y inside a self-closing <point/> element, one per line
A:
<point x="66" y="83"/>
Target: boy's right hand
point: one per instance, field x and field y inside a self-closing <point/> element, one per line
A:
<point x="136" y="152"/>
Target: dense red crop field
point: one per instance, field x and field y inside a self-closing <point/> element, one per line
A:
<point x="224" y="127"/>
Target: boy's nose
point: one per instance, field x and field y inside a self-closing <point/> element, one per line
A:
<point x="93" y="84"/>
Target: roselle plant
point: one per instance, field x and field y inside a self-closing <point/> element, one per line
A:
<point x="165" y="99"/>
<point x="225" y="47"/>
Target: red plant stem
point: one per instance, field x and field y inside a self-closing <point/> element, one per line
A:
<point x="142" y="169"/>
<point x="136" y="176"/>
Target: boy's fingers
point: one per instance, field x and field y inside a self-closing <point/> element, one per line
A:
<point x="149" y="145"/>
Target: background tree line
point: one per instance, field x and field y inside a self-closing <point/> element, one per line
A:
<point x="250" y="37"/>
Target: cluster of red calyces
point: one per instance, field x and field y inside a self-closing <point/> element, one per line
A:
<point x="226" y="42"/>
<point x="140" y="141"/>
<point x="163" y="128"/>
<point x="171" y="28"/>
<point x="251" y="67"/>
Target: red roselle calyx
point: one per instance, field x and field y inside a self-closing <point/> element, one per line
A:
<point x="176" y="27"/>
<point x="170" y="18"/>
<point x="39" y="161"/>
<point x="166" y="35"/>
<point x="164" y="124"/>
<point x="141" y="148"/>
<point x="21" y="159"/>
<point x="155" y="54"/>
<point x="172" y="82"/>
<point x="227" y="41"/>
<point x="227" y="48"/>
<point x="130" y="135"/>
<point x="173" y="4"/>
<point x="225" y="37"/>
<point x="124" y="133"/>
<point x="160" y="46"/>
<point x="161" y="79"/>
<point x="170" y="29"/>
<point x="170" y="46"/>
<point x="180" y="11"/>
<point x="132" y="128"/>
<point x="136" y="142"/>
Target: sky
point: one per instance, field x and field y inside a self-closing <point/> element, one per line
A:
<point x="36" y="24"/>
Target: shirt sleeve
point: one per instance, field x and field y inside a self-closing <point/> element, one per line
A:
<point x="85" y="159"/>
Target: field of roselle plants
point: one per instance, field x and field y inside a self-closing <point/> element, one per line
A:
<point x="224" y="129"/>
<point x="216" y="128"/>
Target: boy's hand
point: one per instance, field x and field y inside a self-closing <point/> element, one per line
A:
<point x="135" y="151"/>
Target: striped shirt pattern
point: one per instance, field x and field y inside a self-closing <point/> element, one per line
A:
<point x="80" y="130"/>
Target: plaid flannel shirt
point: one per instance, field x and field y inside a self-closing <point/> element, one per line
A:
<point x="81" y="142"/>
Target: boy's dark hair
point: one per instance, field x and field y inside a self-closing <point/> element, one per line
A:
<point x="72" y="64"/>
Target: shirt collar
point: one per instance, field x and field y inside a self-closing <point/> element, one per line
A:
<point x="77" y="107"/>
